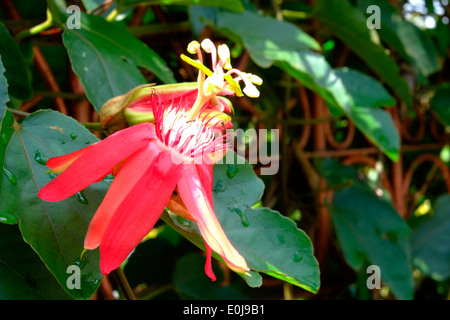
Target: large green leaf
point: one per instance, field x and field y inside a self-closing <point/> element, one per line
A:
<point x="106" y="58"/>
<point x="342" y="88"/>
<point x="369" y="230"/>
<point x="16" y="72"/>
<point x="266" y="39"/>
<point x="349" y="24"/>
<point x="430" y="240"/>
<point x="55" y="230"/>
<point x="23" y="276"/>
<point x="234" y="5"/>
<point x="6" y="130"/>
<point x="270" y="242"/>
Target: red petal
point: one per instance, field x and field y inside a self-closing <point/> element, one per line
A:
<point x="97" y="162"/>
<point x="59" y="164"/>
<point x="139" y="211"/>
<point x="208" y="265"/>
<point x="127" y="177"/>
<point x="198" y="201"/>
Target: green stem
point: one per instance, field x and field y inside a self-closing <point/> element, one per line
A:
<point x="36" y="29"/>
<point x="122" y="281"/>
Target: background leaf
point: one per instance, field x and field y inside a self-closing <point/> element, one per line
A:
<point x="17" y="72"/>
<point x="349" y="24"/>
<point x="106" y="59"/>
<point x="440" y="103"/>
<point x="23" y="276"/>
<point x="430" y="238"/>
<point x="234" y="5"/>
<point x="370" y="231"/>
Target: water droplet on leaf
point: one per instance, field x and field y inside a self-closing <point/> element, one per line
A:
<point x="281" y="238"/>
<point x="39" y="158"/>
<point x="298" y="257"/>
<point x="81" y="197"/>
<point x="73" y="136"/>
<point x="8" y="218"/>
<point x="240" y="213"/>
<point x="232" y="170"/>
<point x="11" y="178"/>
<point x="219" y="187"/>
<point x="81" y="262"/>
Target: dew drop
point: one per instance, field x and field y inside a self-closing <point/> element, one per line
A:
<point x="51" y="175"/>
<point x="8" y="218"/>
<point x="298" y="257"/>
<point x="73" y="136"/>
<point x="281" y="238"/>
<point x="232" y="170"/>
<point x="242" y="215"/>
<point x="87" y="142"/>
<point x="219" y="186"/>
<point x="39" y="158"/>
<point x="81" y="197"/>
<point x="81" y="262"/>
<point x="62" y="141"/>
<point x="11" y="178"/>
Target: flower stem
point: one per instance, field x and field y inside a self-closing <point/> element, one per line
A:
<point x="121" y="280"/>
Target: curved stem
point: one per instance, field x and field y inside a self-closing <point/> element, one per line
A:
<point x="36" y="29"/>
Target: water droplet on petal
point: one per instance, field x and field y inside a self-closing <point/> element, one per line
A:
<point x="11" y="178"/>
<point x="81" y="197"/>
<point x="39" y="158"/>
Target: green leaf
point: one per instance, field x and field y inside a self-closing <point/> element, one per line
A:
<point x="23" y="276"/>
<point x="370" y="231"/>
<point x="55" y="230"/>
<point x="412" y="43"/>
<point x="190" y="282"/>
<point x="379" y="127"/>
<point x="269" y="242"/>
<point x="16" y="72"/>
<point x="364" y="90"/>
<point x="106" y="58"/>
<point x="349" y="24"/>
<point x="234" y="5"/>
<point x="430" y="241"/>
<point x="342" y="88"/>
<point x="6" y="130"/>
<point x="266" y="39"/>
<point x="440" y="103"/>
